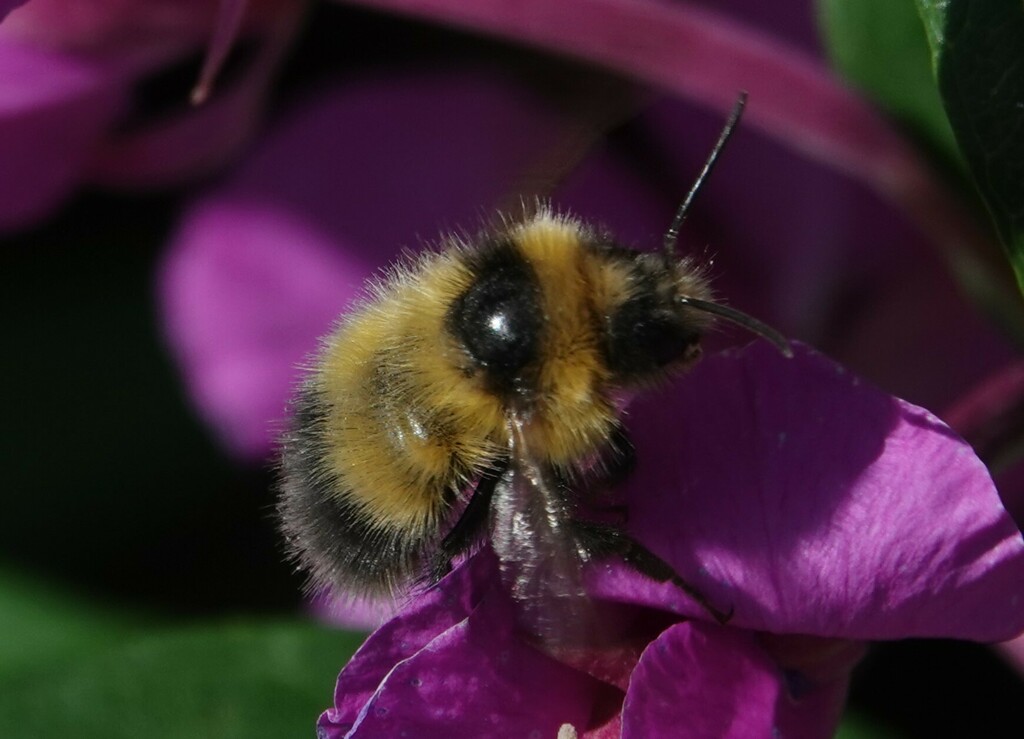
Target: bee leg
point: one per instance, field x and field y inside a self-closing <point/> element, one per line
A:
<point x="467" y="529"/>
<point x="601" y="540"/>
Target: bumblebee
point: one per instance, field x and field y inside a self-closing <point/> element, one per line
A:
<point x="476" y="393"/>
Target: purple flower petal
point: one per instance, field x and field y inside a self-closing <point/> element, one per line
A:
<point x="53" y="110"/>
<point x="813" y="503"/>
<point x="196" y="139"/>
<point x="351" y="614"/>
<point x="817" y="678"/>
<point x="6" y="6"/>
<point x="697" y="680"/>
<point x="260" y="270"/>
<point x="1013" y="652"/>
<point x="69" y="75"/>
<point x="474" y="678"/>
<point x="426" y="616"/>
<point x="1010" y="482"/>
<point x="990" y="412"/>
<point x="71" y="24"/>
<point x="246" y="291"/>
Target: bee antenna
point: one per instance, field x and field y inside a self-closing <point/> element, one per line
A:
<point x="672" y="235"/>
<point x="742" y="319"/>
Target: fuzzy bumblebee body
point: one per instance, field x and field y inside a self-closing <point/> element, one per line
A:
<point x="414" y="396"/>
<point x="475" y="393"/>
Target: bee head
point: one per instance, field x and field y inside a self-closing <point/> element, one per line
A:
<point x="653" y="329"/>
<point x="661" y="324"/>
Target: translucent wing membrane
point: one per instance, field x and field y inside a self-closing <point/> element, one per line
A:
<point x="541" y="561"/>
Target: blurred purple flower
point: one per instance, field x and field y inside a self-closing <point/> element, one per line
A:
<point x="84" y="95"/>
<point x="824" y="511"/>
<point x="6" y="6"/>
<point x="991" y="418"/>
<point x="262" y="266"/>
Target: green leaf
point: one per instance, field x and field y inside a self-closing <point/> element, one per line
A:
<point x="978" y="55"/>
<point x="880" y="47"/>
<point x="41" y="626"/>
<point x="237" y="680"/>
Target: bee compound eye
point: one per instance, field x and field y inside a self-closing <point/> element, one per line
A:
<point x="498" y="321"/>
<point x="644" y="339"/>
<point x="662" y="340"/>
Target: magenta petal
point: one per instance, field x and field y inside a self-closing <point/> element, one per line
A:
<point x="129" y="45"/>
<point x="201" y="138"/>
<point x="1013" y="652"/>
<point x="6" y="6"/>
<point x="350" y="613"/>
<point x="430" y="614"/>
<point x="246" y="291"/>
<point x="472" y="679"/>
<point x="53" y="111"/>
<point x="817" y="676"/>
<point x="814" y="503"/>
<point x="697" y="680"/>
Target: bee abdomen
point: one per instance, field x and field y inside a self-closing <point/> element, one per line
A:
<point x="343" y="547"/>
<point x="328" y="533"/>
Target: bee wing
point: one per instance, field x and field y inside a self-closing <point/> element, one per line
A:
<point x="541" y="561"/>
